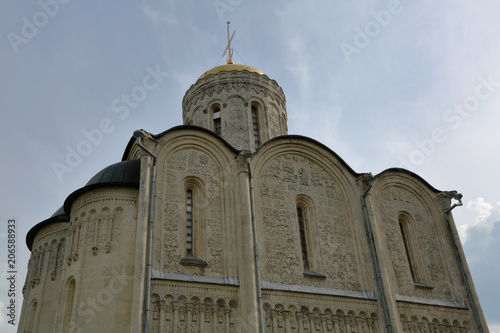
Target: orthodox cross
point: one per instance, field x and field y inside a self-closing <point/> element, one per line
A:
<point x="228" y="49"/>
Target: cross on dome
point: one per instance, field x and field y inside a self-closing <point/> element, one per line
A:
<point x="228" y="49"/>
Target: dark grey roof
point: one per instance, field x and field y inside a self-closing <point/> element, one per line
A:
<point x="121" y="172"/>
<point x="59" y="212"/>
<point x="58" y="216"/>
<point x="125" y="174"/>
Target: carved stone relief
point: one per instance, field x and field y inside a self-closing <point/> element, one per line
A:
<point x="282" y="180"/>
<point x="393" y="201"/>
<point x="52" y="238"/>
<point x="237" y="123"/>
<point x="199" y="118"/>
<point x="181" y="165"/>
<point x="193" y="314"/>
<point x="104" y="232"/>
<point x="273" y="121"/>
<point x="292" y="318"/>
<point x="236" y="84"/>
<point x="96" y="225"/>
<point x="435" y="324"/>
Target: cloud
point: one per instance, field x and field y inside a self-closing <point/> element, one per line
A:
<point x="153" y="15"/>
<point x="158" y="16"/>
<point x="482" y="208"/>
<point x="481" y="240"/>
<point x="494" y="328"/>
<point x="486" y="216"/>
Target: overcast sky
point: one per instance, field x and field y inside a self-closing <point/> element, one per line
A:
<point x="413" y="84"/>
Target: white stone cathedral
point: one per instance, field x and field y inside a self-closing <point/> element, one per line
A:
<point x="229" y="224"/>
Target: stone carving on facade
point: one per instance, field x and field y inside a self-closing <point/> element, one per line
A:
<point x="203" y="279"/>
<point x="281" y="318"/>
<point x="73" y="244"/>
<point x="53" y="254"/>
<point x="190" y="314"/>
<point x="253" y="83"/>
<point x="183" y="165"/>
<point x="393" y="202"/>
<point x="37" y="267"/>
<point x="103" y="229"/>
<point x="273" y="122"/>
<point x="199" y="118"/>
<point x="423" y="324"/>
<point x="283" y="179"/>
<point x="46" y="260"/>
<point x="29" y="275"/>
<point x="237" y="123"/>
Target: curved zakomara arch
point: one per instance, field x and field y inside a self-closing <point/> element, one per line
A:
<point x="344" y="177"/>
<point x="221" y="154"/>
<point x="328" y="160"/>
<point x="422" y="191"/>
<point x="133" y="152"/>
<point x="407" y="180"/>
<point x="193" y="137"/>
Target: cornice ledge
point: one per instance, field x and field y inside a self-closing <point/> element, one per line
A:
<point x="222" y="280"/>
<point x="429" y="301"/>
<point x="368" y="295"/>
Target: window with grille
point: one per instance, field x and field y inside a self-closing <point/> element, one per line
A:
<point x="308" y="237"/>
<point x="217" y="120"/>
<point x="302" y="233"/>
<point x="255" y="124"/>
<point x="189" y="222"/>
<point x="194" y="230"/>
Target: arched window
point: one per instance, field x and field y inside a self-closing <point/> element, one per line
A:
<point x="30" y="323"/>
<point x="255" y="126"/>
<point x="189" y="222"/>
<point x="194" y="222"/>
<point x="308" y="237"/>
<point x="303" y="242"/>
<point x="68" y="306"/>
<point x="216" y="115"/>
<point x="404" y="233"/>
<point x="411" y="247"/>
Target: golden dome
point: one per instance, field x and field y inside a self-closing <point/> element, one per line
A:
<point x="231" y="66"/>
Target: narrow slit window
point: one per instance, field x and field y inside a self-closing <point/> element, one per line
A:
<point x="409" y="254"/>
<point x="302" y="232"/>
<point x="217" y="121"/>
<point x="189" y="222"/>
<point x="68" y="307"/>
<point x="31" y="318"/>
<point x="255" y="123"/>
